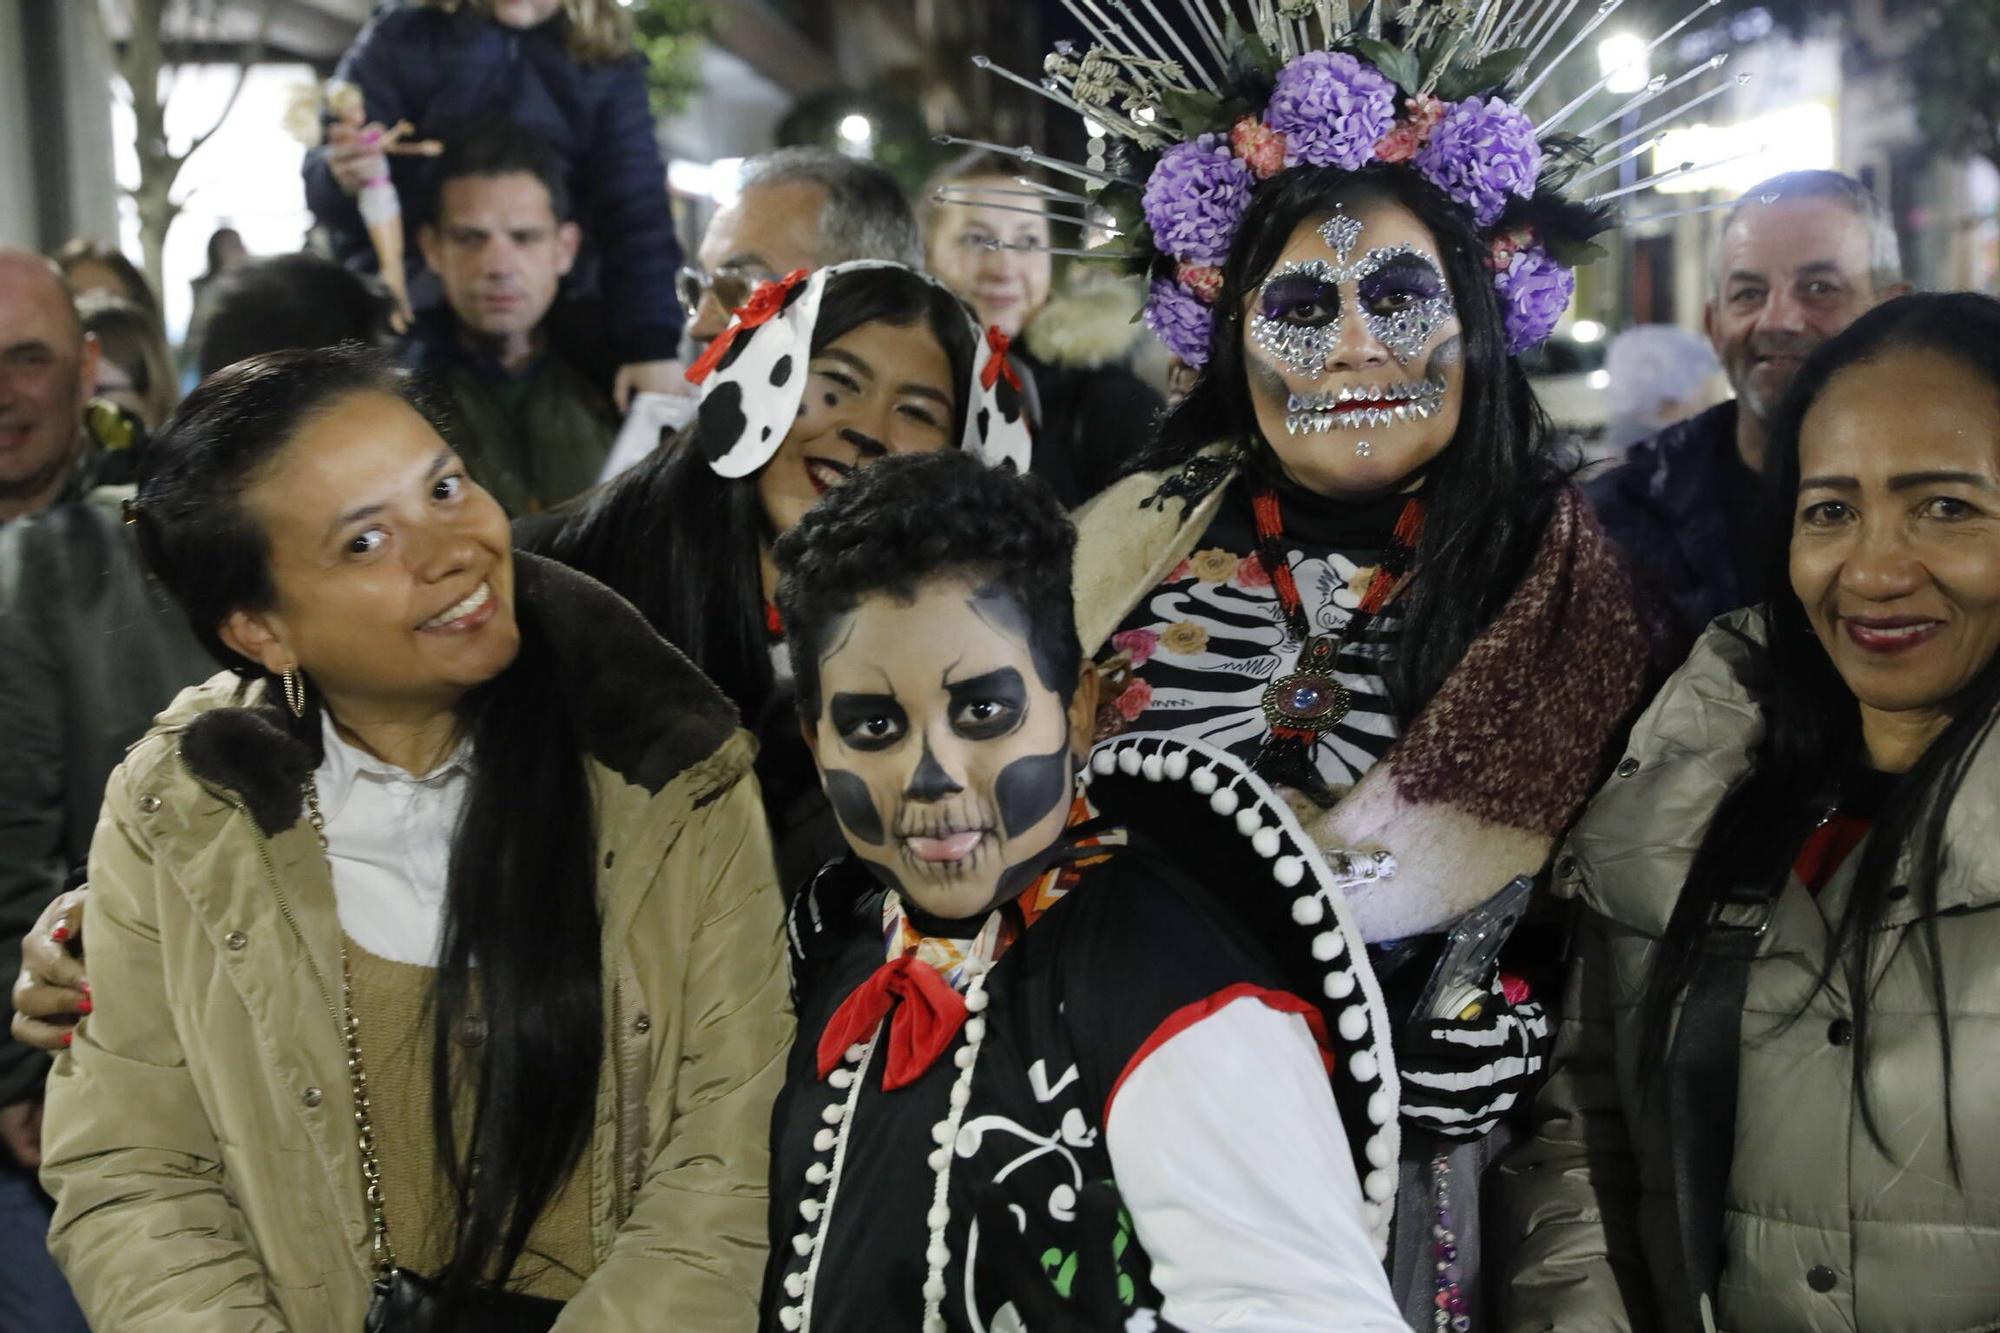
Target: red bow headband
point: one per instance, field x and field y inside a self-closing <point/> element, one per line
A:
<point x="762" y="307"/>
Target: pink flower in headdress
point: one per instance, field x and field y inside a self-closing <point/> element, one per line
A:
<point x="1204" y="280"/>
<point x="1258" y="147"/>
<point x="1505" y="245"/>
<point x="1409" y="137"/>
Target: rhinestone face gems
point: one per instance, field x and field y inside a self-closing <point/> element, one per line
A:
<point x="1362" y="449"/>
<point x="1341" y="234"/>
<point x="1364" y="407"/>
<point x="1403" y="299"/>
<point x="1399" y="291"/>
<point x="1298" y="319"/>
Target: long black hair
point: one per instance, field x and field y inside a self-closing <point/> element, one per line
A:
<point x="521" y="892"/>
<point x="1813" y="729"/>
<point x="1490" y="492"/>
<point x="683" y="544"/>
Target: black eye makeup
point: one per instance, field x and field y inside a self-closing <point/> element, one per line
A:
<point x="867" y="721"/>
<point x="990" y="706"/>
<point x="1401" y="282"/>
<point x="1307" y="296"/>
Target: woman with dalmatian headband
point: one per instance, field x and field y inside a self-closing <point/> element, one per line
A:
<point x="819" y="376"/>
<point x="1352" y="560"/>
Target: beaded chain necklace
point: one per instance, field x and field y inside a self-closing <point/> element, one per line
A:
<point x="1303" y="705"/>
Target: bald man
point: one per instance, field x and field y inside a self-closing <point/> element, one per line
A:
<point x="47" y="367"/>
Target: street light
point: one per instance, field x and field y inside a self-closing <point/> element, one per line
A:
<point x="1622" y="57"/>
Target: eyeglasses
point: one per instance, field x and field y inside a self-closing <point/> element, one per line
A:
<point x="981" y="243"/>
<point x="730" y="285"/>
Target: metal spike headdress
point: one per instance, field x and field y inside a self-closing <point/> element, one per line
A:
<point x="1439" y="89"/>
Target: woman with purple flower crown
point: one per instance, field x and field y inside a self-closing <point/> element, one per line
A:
<point x="1352" y="559"/>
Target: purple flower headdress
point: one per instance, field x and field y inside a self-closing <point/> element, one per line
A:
<point x="1213" y="105"/>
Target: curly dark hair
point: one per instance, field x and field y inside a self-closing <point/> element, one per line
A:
<point x="907" y="520"/>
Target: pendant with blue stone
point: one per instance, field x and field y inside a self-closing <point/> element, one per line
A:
<point x="1309" y="698"/>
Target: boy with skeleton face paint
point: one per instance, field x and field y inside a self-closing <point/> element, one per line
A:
<point x="1025" y="1030"/>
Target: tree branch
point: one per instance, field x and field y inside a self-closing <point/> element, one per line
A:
<point x="252" y="49"/>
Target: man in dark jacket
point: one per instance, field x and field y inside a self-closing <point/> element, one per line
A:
<point x="583" y="92"/>
<point x="1802" y="256"/>
<point x="531" y="426"/>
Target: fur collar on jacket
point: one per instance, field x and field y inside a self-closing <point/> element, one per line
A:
<point x="644" y="711"/>
<point x="1499" y="761"/>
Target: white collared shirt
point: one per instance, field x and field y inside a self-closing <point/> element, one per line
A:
<point x="388" y="838"/>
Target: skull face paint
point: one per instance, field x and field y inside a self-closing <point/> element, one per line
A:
<point x="944" y="749"/>
<point x="1355" y="330"/>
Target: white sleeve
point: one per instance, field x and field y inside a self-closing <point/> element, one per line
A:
<point x="1228" y="1151"/>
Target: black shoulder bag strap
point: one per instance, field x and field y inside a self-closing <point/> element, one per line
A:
<point x="1701" y="1081"/>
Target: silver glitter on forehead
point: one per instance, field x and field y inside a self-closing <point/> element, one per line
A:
<point x="1341" y="234"/>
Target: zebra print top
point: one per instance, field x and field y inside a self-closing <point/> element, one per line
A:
<point x="1196" y="654"/>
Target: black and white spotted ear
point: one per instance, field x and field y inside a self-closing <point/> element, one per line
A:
<point x="1235" y="835"/>
<point x="751" y="394"/>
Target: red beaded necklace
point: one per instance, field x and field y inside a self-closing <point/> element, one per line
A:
<point x="1303" y="705"/>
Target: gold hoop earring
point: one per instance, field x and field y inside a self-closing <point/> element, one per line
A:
<point x="295" y="691"/>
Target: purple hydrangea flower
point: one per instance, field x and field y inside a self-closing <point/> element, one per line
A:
<point x="1534" y="292"/>
<point x="1196" y="198"/>
<point x="1181" y="321"/>
<point x="1332" y="108"/>
<point x="1481" y="153"/>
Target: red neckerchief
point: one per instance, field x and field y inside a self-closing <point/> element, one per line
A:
<point x="774" y="623"/>
<point x="997" y="365"/>
<point x="762" y="307"/>
<point x="923" y="1025"/>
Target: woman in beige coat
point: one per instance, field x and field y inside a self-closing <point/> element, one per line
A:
<point x="460" y="851"/>
<point x="1774" y="1089"/>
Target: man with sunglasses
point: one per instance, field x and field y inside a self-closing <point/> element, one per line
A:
<point x="799" y="208"/>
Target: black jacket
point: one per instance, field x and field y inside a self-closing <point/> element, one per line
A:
<point x="444" y="71"/>
<point x="90" y="650"/>
<point x="1090" y="423"/>
<point x="1682" y="507"/>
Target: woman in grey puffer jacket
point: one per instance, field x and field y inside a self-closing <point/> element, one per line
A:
<point x="1792" y="885"/>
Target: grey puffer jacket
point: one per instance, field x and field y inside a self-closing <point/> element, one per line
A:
<point x="1821" y="1230"/>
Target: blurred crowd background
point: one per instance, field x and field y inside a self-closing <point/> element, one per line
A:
<point x="199" y="170"/>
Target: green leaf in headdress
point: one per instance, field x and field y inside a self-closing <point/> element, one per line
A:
<point x="1398" y="64"/>
<point x="1573" y="253"/>
<point x="1250" y="60"/>
<point x="1196" y="113"/>
<point x="1471" y="80"/>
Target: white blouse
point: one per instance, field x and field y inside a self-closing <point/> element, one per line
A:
<point x="388" y="838"/>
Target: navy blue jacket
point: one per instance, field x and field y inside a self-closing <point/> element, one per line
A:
<point x="1682" y="507"/>
<point x="440" y="71"/>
